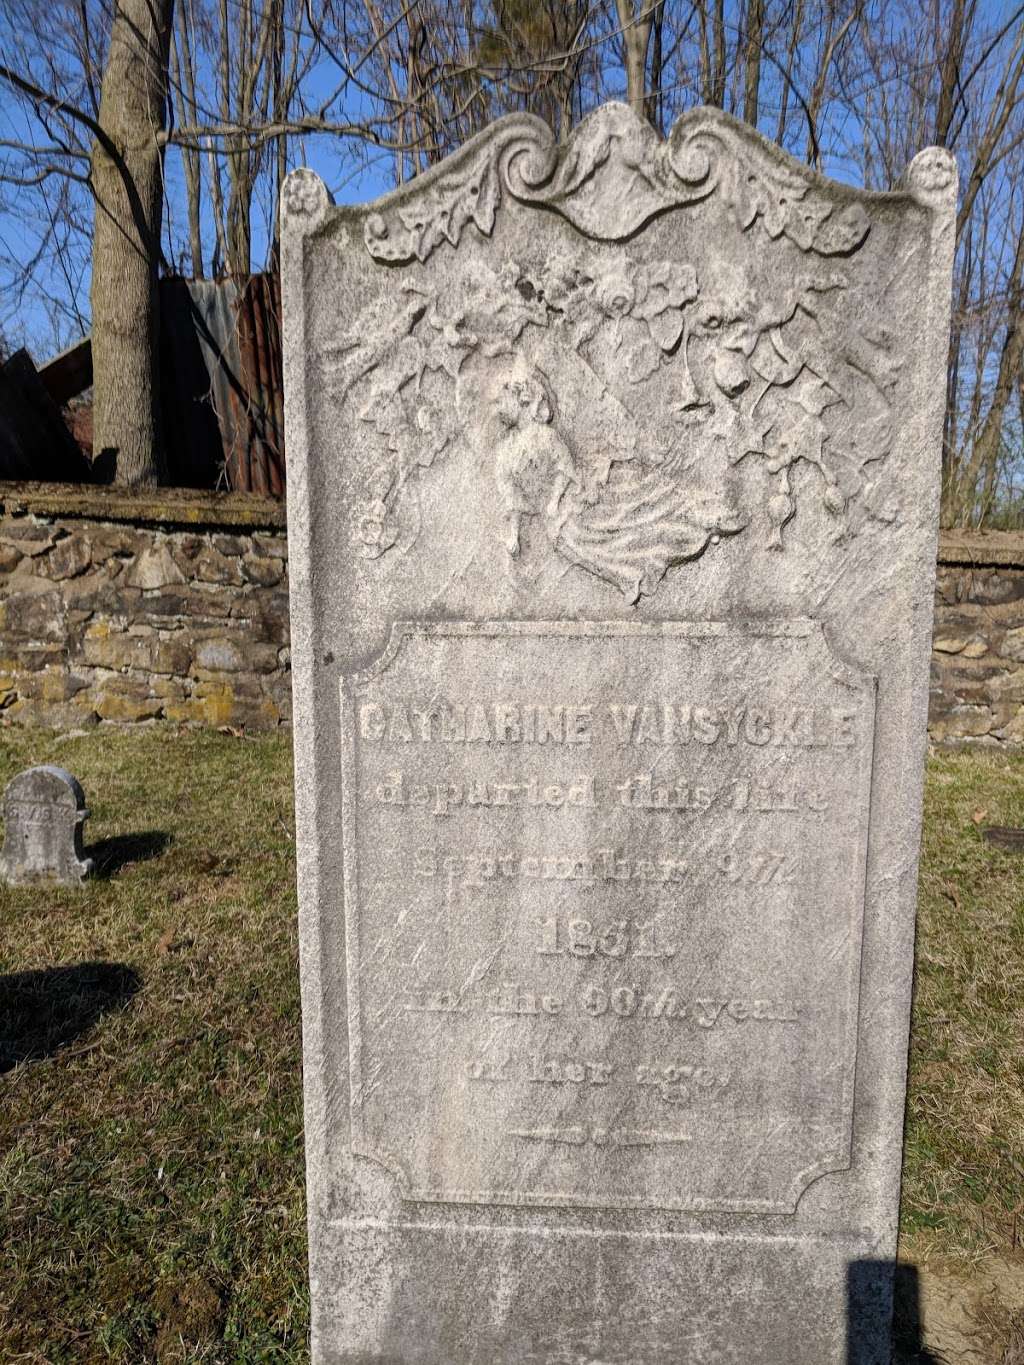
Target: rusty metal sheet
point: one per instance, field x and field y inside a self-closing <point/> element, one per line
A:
<point x="221" y="383"/>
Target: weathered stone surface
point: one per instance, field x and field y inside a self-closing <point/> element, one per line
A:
<point x="44" y="810"/>
<point x="193" y="602"/>
<point x="29" y="537"/>
<point x="229" y="545"/>
<point x="266" y="572"/>
<point x="1008" y="686"/>
<point x="612" y="498"/>
<point x="228" y="656"/>
<point x="1013" y="730"/>
<point x="148" y="653"/>
<point x="69" y="557"/>
<point x="34" y="657"/>
<point x="950" y="644"/>
<point x="10" y="556"/>
<point x="269" y="609"/>
<point x="271" y="547"/>
<point x="154" y="568"/>
<point x="960" y="722"/>
<point x="33" y="611"/>
<point x="125" y="700"/>
<point x="110" y="541"/>
<point x="99" y="592"/>
<point x="209" y="566"/>
<point x="81" y="631"/>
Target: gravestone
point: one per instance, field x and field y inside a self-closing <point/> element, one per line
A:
<point x="44" y="811"/>
<point x="613" y="489"/>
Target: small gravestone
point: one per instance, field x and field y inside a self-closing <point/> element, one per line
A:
<point x="44" y="811"/>
<point x="613" y="502"/>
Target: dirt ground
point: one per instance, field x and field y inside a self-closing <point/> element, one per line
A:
<point x="948" y="1316"/>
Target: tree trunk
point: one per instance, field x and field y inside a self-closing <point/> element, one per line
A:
<point x="127" y="185"/>
<point x="183" y="62"/>
<point x="656" y="100"/>
<point x="950" y="70"/>
<point x="985" y="455"/>
<point x="752" y="73"/>
<point x="636" y="37"/>
<point x="718" y="78"/>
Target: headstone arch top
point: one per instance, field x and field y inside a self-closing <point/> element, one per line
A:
<point x="44" y="811"/>
<point x="613" y="491"/>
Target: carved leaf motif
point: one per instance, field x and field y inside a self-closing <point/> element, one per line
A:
<point x="667" y="285"/>
<point x="642" y="361"/>
<point x="804" y="219"/>
<point x="445" y="211"/>
<point x="439" y="208"/>
<point x="772" y="361"/>
<point x="380" y="333"/>
<point x="666" y="328"/>
<point x="756" y="186"/>
<point x="842" y="232"/>
<point x="738" y="433"/>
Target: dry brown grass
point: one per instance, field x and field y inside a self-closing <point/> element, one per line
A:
<point x="963" y="1192"/>
<point x="151" y="1193"/>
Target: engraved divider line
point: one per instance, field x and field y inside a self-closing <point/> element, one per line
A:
<point x="799" y="627"/>
<point x="600" y="1137"/>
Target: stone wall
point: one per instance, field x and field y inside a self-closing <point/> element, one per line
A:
<point x="129" y="607"/>
<point x="977" y="694"/>
<point x="173" y="605"/>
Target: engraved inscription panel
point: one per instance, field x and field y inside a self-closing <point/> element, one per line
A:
<point x="590" y="957"/>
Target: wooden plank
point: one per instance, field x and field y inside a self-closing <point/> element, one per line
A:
<point x="70" y="373"/>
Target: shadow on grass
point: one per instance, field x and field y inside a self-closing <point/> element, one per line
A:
<point x="110" y="855"/>
<point x="874" y="1291"/>
<point x="42" y="1011"/>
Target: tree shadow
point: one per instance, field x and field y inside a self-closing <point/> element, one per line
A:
<point x="878" y="1292"/>
<point x="42" y="1011"/>
<point x="109" y="856"/>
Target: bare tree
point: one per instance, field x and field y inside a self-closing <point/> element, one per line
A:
<point x="127" y="184"/>
<point x="636" y="18"/>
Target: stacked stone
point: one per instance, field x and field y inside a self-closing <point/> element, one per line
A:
<point x="104" y="619"/>
<point x="977" y="692"/>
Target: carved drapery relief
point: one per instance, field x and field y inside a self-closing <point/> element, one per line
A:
<point x="545" y="366"/>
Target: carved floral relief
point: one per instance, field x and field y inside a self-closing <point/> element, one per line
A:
<point x="774" y="373"/>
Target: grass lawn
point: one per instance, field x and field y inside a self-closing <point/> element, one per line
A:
<point x="151" y="1199"/>
<point x="151" y="1174"/>
<point x="963" y="1171"/>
